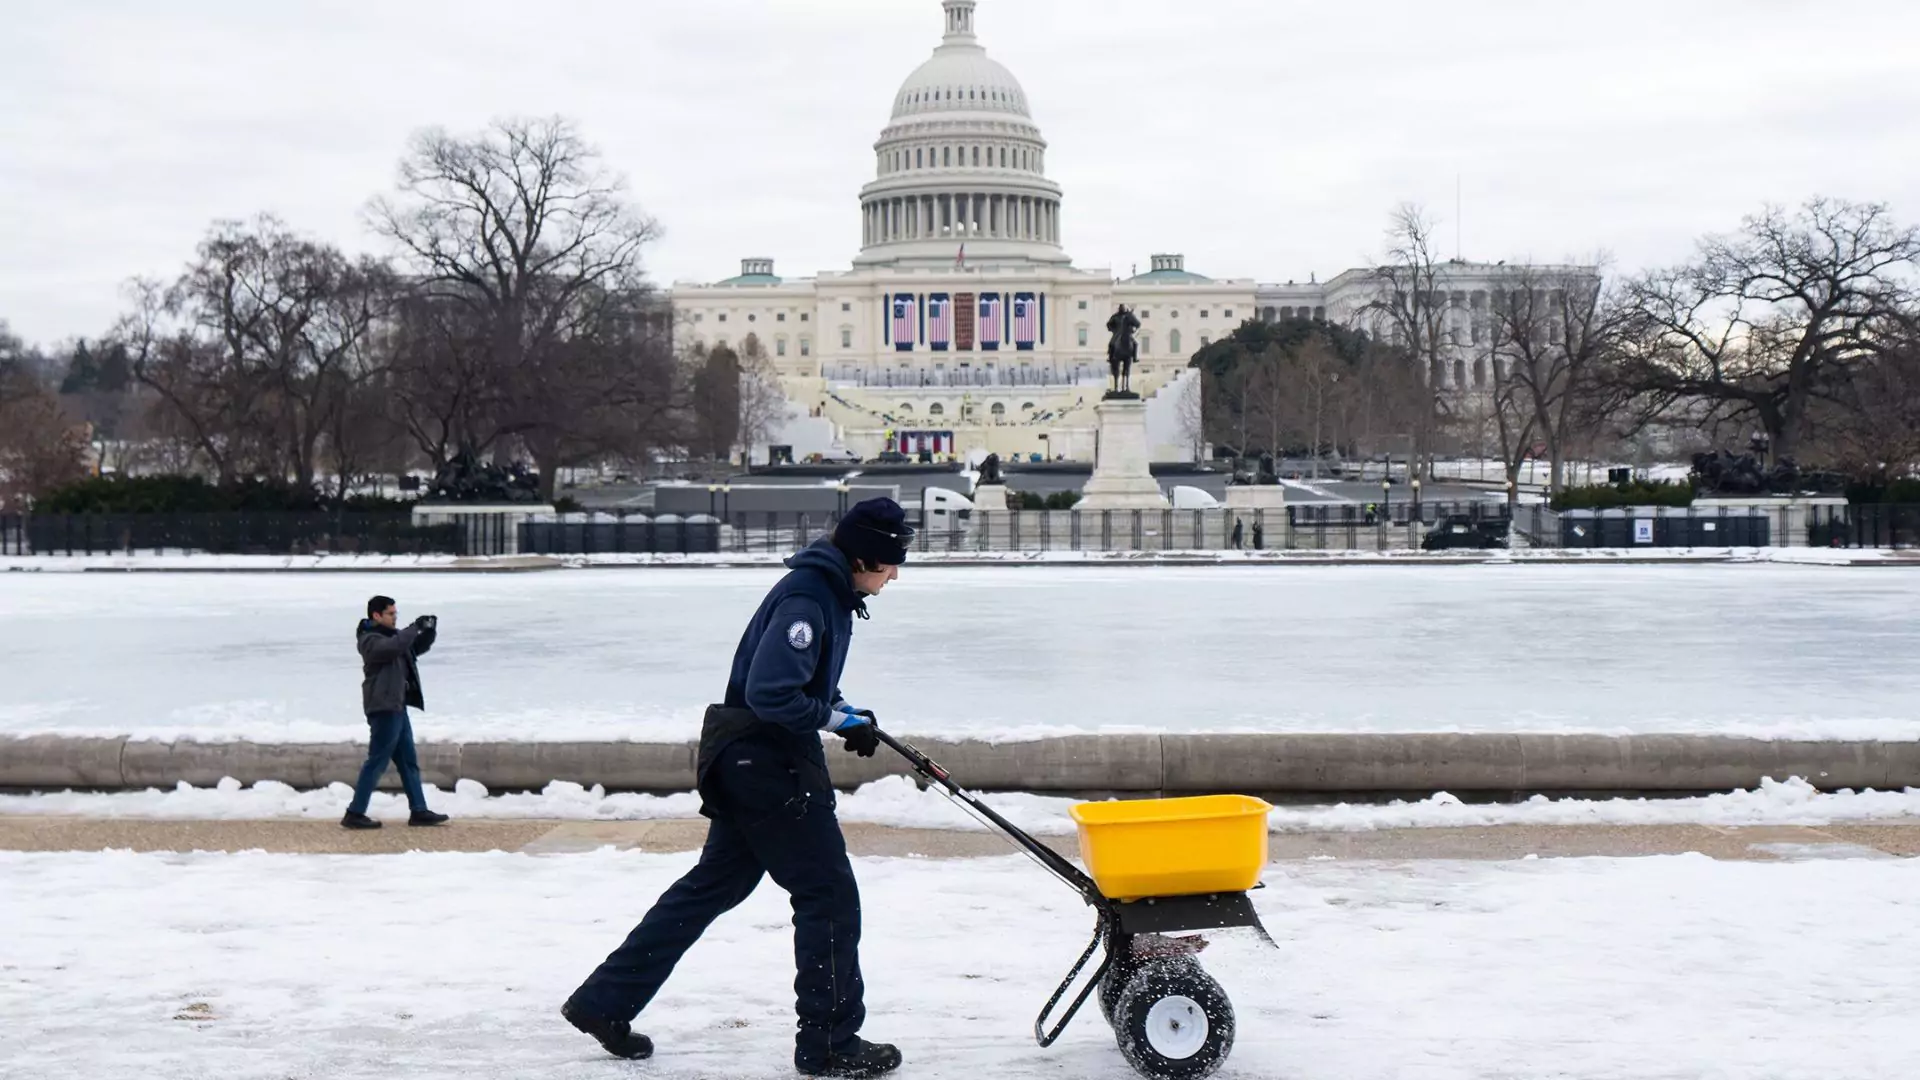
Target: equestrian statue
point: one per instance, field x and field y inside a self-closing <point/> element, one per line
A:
<point x="1122" y="351"/>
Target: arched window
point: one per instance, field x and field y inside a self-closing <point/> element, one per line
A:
<point x="936" y="409"/>
<point x="999" y="410"/>
<point x="1146" y="344"/>
<point x="1003" y="157"/>
<point x="916" y="157"/>
<point x="976" y="156"/>
<point x="1173" y="341"/>
<point x="906" y="408"/>
<point x="780" y="346"/>
<point x="947" y="155"/>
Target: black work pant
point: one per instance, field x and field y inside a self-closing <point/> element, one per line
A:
<point x="766" y="821"/>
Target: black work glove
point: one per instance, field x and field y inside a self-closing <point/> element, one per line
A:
<point x="860" y="739"/>
<point x="426" y="622"/>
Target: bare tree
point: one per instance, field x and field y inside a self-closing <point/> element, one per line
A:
<point x="289" y="315"/>
<point x="1191" y="413"/>
<point x="447" y="392"/>
<point x="201" y="394"/>
<point x="1554" y="333"/>
<point x="603" y="386"/>
<point x="1763" y="321"/>
<point x="41" y="446"/>
<point x="1870" y="420"/>
<point x="516" y="238"/>
<point x="250" y="352"/>
<point x="1316" y="372"/>
<point x="1266" y="401"/>
<point x="764" y="408"/>
<point x="1412" y="308"/>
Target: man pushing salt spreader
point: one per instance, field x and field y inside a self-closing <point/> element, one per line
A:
<point x="763" y="783"/>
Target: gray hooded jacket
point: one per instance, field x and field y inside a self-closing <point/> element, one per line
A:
<point x="390" y="680"/>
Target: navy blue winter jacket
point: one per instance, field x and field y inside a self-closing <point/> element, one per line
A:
<point x="787" y="666"/>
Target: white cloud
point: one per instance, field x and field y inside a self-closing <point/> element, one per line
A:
<point x="1262" y="139"/>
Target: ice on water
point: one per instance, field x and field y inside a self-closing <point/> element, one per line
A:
<point x="636" y="654"/>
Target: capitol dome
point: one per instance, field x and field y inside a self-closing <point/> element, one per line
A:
<point x="960" y="77"/>
<point x="960" y="162"/>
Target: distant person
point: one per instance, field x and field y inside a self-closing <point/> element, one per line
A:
<point x="763" y="781"/>
<point x="389" y="685"/>
<point x="1238" y="535"/>
<point x="1259" y="536"/>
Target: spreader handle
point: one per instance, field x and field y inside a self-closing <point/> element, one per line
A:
<point x="1045" y="855"/>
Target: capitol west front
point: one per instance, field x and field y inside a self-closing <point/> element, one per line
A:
<point x="963" y="325"/>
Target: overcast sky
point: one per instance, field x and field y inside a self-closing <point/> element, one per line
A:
<point x="1264" y="139"/>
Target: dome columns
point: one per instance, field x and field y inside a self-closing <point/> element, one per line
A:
<point x="960" y="215"/>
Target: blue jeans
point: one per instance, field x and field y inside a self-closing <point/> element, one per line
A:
<point x="762" y="829"/>
<point x="390" y="739"/>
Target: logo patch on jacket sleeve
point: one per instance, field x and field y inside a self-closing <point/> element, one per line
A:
<point x="800" y="635"/>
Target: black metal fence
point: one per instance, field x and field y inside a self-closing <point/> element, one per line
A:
<point x="266" y="533"/>
<point x="1301" y="527"/>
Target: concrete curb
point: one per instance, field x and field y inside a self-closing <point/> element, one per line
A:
<point x="1289" y="764"/>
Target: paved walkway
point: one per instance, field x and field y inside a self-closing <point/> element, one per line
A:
<point x="1883" y="840"/>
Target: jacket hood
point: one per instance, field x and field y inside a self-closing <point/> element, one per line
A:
<point x="368" y="626"/>
<point x="829" y="562"/>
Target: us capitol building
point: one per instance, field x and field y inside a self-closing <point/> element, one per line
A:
<point x="963" y="326"/>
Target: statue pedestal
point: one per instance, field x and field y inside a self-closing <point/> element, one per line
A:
<point x="1121" y="477"/>
<point x="990" y="497"/>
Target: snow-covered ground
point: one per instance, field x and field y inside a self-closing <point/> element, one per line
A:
<point x="896" y="801"/>
<point x="1767" y="650"/>
<point x="442" y="965"/>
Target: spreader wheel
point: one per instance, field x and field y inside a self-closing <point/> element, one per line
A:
<point x="1119" y="973"/>
<point x="1173" y="1021"/>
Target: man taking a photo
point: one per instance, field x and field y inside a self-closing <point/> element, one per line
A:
<point x="389" y="684"/>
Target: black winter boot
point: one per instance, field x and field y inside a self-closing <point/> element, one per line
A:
<point x="426" y="817"/>
<point x="857" y="1060"/>
<point x="615" y="1036"/>
<point x="358" y="821"/>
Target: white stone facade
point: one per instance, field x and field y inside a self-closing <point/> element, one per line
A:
<point x="962" y="317"/>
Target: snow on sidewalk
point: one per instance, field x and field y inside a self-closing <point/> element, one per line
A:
<point x="896" y="801"/>
<point x="425" y="965"/>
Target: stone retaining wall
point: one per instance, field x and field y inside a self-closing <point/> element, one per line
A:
<point x="1413" y="764"/>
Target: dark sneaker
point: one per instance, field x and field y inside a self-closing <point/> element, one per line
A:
<point x="426" y="817"/>
<point x="358" y="821"/>
<point x="858" y="1059"/>
<point x="616" y="1037"/>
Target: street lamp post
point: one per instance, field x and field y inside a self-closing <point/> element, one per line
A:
<point x="1386" y="498"/>
<point x="1418" y="520"/>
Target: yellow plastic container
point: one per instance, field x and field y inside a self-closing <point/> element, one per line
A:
<point x="1173" y="847"/>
